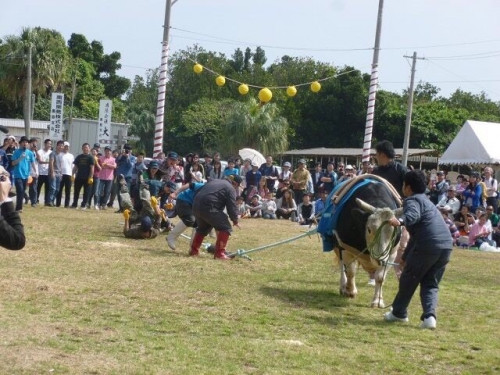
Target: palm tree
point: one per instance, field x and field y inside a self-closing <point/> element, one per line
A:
<point x="254" y="125"/>
<point x="49" y="58"/>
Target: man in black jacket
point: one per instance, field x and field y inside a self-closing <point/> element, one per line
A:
<point x="11" y="228"/>
<point x="208" y="209"/>
<point x="387" y="168"/>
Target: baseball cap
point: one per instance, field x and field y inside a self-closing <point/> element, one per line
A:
<point x="24" y="139"/>
<point x="146" y="223"/>
<point x="66" y="143"/>
<point x="97" y="145"/>
<point x="287" y="164"/>
<point x="302" y="161"/>
<point x="171" y="185"/>
<point x="153" y="164"/>
<point x="349" y="166"/>
<point x="173" y="155"/>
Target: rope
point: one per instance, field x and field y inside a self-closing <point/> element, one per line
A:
<point x="380" y="254"/>
<point x="243" y="253"/>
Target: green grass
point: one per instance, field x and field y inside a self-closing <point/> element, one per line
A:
<point x="81" y="299"/>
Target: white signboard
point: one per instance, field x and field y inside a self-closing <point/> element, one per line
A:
<point x="56" y="116"/>
<point x="104" y="123"/>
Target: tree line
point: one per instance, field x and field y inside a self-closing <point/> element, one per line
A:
<point x="201" y="116"/>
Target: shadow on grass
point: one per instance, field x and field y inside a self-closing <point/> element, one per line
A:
<point x="311" y="298"/>
<point x="343" y="309"/>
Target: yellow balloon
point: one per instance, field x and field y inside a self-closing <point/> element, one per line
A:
<point x="198" y="68"/>
<point x="315" y="86"/>
<point x="243" y="89"/>
<point x="220" y="81"/>
<point x="291" y="91"/>
<point x="265" y="95"/>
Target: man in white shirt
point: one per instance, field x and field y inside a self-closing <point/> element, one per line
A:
<point x="491" y="188"/>
<point x="43" y="170"/>
<point x="450" y="200"/>
<point x="66" y="160"/>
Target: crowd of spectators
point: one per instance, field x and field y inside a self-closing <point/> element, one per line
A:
<point x="291" y="192"/>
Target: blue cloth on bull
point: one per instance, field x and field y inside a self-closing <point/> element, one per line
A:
<point x="331" y="213"/>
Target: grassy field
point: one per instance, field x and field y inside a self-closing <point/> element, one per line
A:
<point x="81" y="299"/>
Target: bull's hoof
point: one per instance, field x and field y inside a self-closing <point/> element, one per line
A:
<point x="348" y="294"/>
<point x="378" y="304"/>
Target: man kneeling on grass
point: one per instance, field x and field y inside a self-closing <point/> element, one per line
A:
<point x="144" y="230"/>
<point x="426" y="255"/>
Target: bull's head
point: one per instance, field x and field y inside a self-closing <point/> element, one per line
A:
<point x="379" y="234"/>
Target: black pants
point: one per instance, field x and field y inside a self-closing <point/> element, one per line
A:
<point x="79" y="183"/>
<point x="66" y="184"/>
<point x="43" y="180"/>
<point x="424" y="269"/>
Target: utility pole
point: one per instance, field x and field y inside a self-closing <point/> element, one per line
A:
<point x="370" y="113"/>
<point x="409" y="109"/>
<point x="162" y="83"/>
<point x="28" y="105"/>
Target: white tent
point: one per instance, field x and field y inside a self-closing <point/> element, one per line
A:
<point x="476" y="143"/>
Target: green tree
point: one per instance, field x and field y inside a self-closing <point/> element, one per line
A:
<point x="250" y="124"/>
<point x="201" y="124"/>
<point x="50" y="62"/>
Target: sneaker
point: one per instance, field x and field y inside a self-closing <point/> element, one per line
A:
<point x="97" y="208"/>
<point x="84" y="208"/>
<point x="372" y="282"/>
<point x="429" y="323"/>
<point x="170" y="242"/>
<point x="390" y="317"/>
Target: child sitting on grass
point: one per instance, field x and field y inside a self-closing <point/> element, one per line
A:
<point x="269" y="207"/>
<point x="243" y="212"/>
<point x="306" y="211"/>
<point x="255" y="206"/>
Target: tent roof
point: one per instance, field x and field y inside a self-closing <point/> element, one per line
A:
<point x="354" y="152"/>
<point x="475" y="143"/>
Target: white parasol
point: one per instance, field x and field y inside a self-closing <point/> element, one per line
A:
<point x="253" y="155"/>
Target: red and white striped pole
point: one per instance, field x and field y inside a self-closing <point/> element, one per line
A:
<point x="162" y="85"/>
<point x="370" y="113"/>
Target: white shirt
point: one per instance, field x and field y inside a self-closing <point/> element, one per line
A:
<point x="491" y="187"/>
<point x="43" y="169"/>
<point x="67" y="160"/>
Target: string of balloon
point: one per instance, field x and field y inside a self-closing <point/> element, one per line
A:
<point x="265" y="93"/>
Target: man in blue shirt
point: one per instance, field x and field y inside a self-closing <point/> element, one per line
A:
<point x="22" y="160"/>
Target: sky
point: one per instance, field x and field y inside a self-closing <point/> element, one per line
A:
<point x="458" y="39"/>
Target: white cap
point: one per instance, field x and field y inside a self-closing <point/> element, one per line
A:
<point x="349" y="166"/>
<point x="66" y="143"/>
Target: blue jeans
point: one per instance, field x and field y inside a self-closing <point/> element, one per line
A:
<point x="54" y="183"/>
<point x="103" y="192"/>
<point x="33" y="191"/>
<point x="20" y="185"/>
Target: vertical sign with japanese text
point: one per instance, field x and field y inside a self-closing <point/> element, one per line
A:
<point x="56" y="116"/>
<point x="104" y="123"/>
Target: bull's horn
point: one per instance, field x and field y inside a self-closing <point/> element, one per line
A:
<point x="365" y="206"/>
<point x="398" y="212"/>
